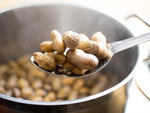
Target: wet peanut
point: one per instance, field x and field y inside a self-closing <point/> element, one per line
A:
<point x="37" y="73"/>
<point x="40" y="92"/>
<point x="60" y="58"/>
<point x="37" y="84"/>
<point x="73" y="95"/>
<point x="78" y="84"/>
<point x="26" y="92"/>
<point x="47" y="87"/>
<point x="52" y="54"/>
<point x="83" y="41"/>
<point x="51" y="96"/>
<point x="67" y="81"/>
<point x="78" y="71"/>
<point x="83" y="90"/>
<point x="45" y="62"/>
<point x="56" y="83"/>
<point x="71" y="39"/>
<point x="83" y="38"/>
<point x="46" y="46"/>
<point x="63" y="92"/>
<point x="103" y="81"/>
<point x="99" y="37"/>
<point x="99" y="50"/>
<point x="67" y="66"/>
<point x="12" y="82"/>
<point x="58" y="43"/>
<point x="35" y="98"/>
<point x="81" y="59"/>
<point x="22" y="82"/>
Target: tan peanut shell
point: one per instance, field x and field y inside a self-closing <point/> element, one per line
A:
<point x="71" y="39"/>
<point x="58" y="43"/>
<point x="73" y="95"/>
<point x="67" y="66"/>
<point x="99" y="50"/>
<point x="99" y="37"/>
<point x="63" y="92"/>
<point x="60" y="58"/>
<point x="46" y="46"/>
<point x="45" y="62"/>
<point x="78" y="71"/>
<point x="81" y="60"/>
<point x="83" y="38"/>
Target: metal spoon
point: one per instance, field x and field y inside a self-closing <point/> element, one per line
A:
<point x="114" y="46"/>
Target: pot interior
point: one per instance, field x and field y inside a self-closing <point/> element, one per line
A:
<point x="22" y="30"/>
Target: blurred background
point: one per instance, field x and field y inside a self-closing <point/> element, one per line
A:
<point x="120" y="7"/>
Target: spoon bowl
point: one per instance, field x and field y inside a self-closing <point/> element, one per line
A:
<point x="115" y="48"/>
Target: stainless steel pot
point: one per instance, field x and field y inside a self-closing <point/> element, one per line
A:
<point x="22" y="28"/>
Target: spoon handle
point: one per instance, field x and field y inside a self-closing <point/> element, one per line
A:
<point x="130" y="42"/>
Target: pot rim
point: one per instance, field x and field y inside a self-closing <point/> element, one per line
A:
<point x="84" y="99"/>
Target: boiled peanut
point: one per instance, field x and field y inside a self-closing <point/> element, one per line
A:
<point x="35" y="98"/>
<point x="51" y="96"/>
<point x="52" y="54"/>
<point x="45" y="62"/>
<point x="37" y="73"/>
<point x="26" y="92"/>
<point x="83" y="90"/>
<point x="83" y="41"/>
<point x="100" y="85"/>
<point x="67" y="66"/>
<point x="60" y="58"/>
<point x="71" y="39"/>
<point x="12" y="82"/>
<point x="78" y="71"/>
<point x="81" y="59"/>
<point x="83" y="38"/>
<point x="22" y="82"/>
<point x="67" y="81"/>
<point x="99" y="37"/>
<point x="58" y="43"/>
<point x="78" y="84"/>
<point x="47" y="87"/>
<point x="73" y="95"/>
<point x="56" y="83"/>
<point x="99" y="50"/>
<point x="46" y="46"/>
<point x="63" y="92"/>
<point x="37" y="84"/>
<point x="40" y="92"/>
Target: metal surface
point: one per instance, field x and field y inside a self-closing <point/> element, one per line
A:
<point x="22" y="28"/>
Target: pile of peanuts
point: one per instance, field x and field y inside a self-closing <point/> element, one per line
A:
<point x="72" y="53"/>
<point x="21" y="79"/>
